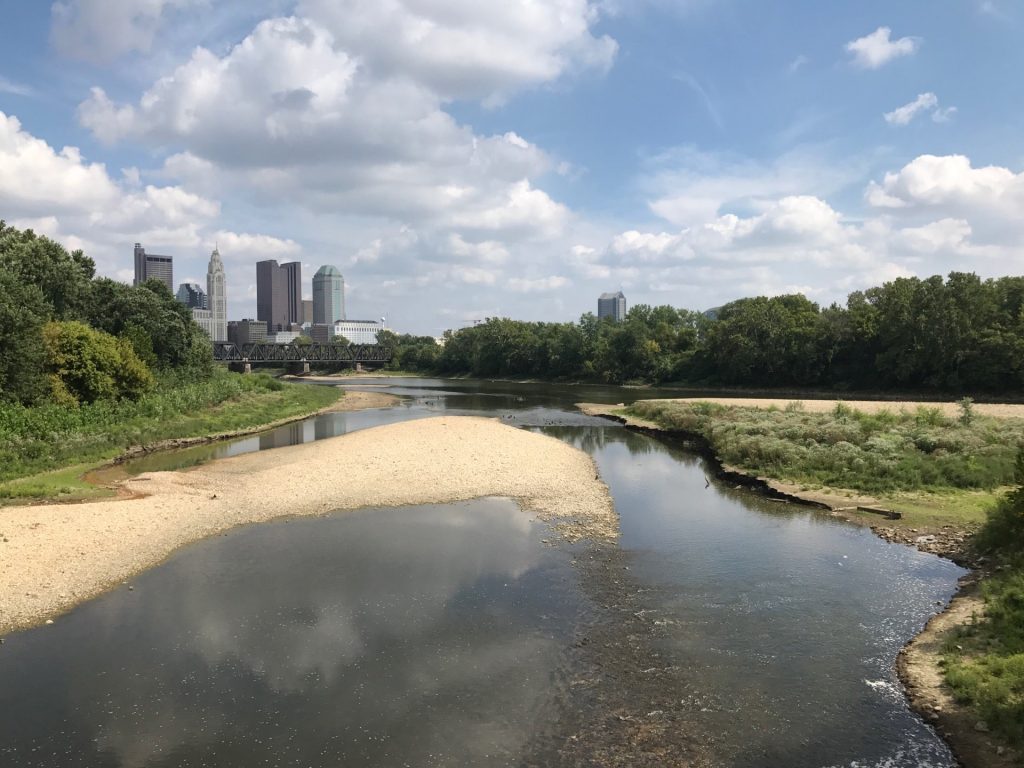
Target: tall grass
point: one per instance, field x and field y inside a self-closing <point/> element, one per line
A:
<point x="873" y="453"/>
<point x="47" y="437"/>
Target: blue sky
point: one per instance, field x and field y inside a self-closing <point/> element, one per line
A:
<point x="459" y="159"/>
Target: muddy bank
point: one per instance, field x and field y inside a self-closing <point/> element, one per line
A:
<point x="57" y="556"/>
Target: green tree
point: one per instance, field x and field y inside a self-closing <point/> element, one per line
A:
<point x="23" y="311"/>
<point x="86" y="365"/>
<point x="766" y="341"/>
<point x="151" y="309"/>
<point x="62" y="277"/>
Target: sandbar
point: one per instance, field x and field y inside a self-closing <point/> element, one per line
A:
<point x="53" y="557"/>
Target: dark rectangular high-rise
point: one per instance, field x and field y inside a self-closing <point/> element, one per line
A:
<point x="271" y="306"/>
<point x="278" y="294"/>
<point x="293" y="290"/>
<point x="150" y="265"/>
<point x="612" y="305"/>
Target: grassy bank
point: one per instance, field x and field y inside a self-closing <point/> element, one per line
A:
<point x="45" y="450"/>
<point x="910" y="455"/>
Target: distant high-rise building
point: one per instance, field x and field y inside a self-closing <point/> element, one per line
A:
<point x="247" y="331"/>
<point x="150" y="265"/>
<point x="328" y="295"/>
<point x="279" y="294"/>
<point x="321" y="333"/>
<point x="307" y="311"/>
<point x="192" y="296"/>
<point x="612" y="305"/>
<point x="217" y="297"/>
<point x="293" y="291"/>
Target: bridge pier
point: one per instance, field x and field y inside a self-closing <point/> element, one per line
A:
<point x="246" y="366"/>
<point x="305" y="367"/>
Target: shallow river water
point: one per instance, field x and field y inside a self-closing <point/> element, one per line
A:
<point x="722" y="629"/>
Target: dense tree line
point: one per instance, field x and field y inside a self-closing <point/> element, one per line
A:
<point x="957" y="334"/>
<point x="67" y="336"/>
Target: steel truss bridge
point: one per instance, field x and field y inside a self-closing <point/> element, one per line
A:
<point x="264" y="352"/>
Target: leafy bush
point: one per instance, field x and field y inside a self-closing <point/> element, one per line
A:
<point x="86" y="365"/>
<point x="931" y="416"/>
<point x="966" y="405"/>
<point x="1004" y="529"/>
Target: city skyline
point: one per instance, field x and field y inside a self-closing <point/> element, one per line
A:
<point x="692" y="153"/>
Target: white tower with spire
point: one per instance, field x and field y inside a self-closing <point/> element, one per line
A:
<point x="216" y="291"/>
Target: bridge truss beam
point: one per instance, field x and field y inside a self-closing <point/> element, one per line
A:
<point x="264" y="352"/>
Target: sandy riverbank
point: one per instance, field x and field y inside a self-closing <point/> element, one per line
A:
<point x="55" y="556"/>
<point x="354" y="400"/>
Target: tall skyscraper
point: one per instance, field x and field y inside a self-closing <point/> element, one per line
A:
<point x="278" y="294"/>
<point x="328" y="295"/>
<point x="270" y="302"/>
<point x="150" y="265"/>
<point x="192" y="296"/>
<point x="217" y="297"/>
<point x="612" y="305"/>
<point x="293" y="290"/>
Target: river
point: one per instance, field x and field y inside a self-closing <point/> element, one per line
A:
<point x="722" y="629"/>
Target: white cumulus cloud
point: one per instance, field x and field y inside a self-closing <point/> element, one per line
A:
<point x="903" y="115"/>
<point x="924" y="103"/>
<point x="465" y="48"/>
<point x="101" y="30"/>
<point x="949" y="180"/>
<point x="877" y="49"/>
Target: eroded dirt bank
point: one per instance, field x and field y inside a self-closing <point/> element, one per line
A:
<point x="54" y="557"/>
